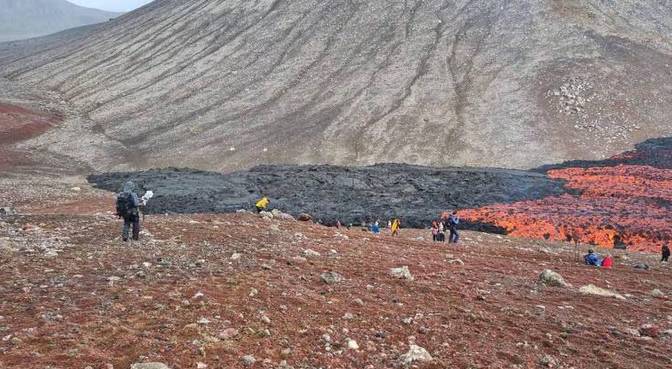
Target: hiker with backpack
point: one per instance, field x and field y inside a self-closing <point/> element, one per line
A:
<point x="128" y="208"/>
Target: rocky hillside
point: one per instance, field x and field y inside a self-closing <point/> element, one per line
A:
<point x="229" y="84"/>
<point x="20" y="19"/>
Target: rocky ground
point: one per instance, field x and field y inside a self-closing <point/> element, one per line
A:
<point x="238" y="290"/>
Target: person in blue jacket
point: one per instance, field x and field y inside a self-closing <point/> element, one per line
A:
<point x="375" y="228"/>
<point x="592" y="258"/>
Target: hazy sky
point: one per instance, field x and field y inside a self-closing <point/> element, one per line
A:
<point x="112" y="5"/>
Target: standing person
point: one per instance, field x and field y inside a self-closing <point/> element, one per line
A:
<point x="453" y="221"/>
<point x="396" y="224"/>
<point x="262" y="204"/>
<point x="441" y="237"/>
<point x="375" y="228"/>
<point x="128" y="208"/>
<point x="666" y="253"/>
<point x="435" y="231"/>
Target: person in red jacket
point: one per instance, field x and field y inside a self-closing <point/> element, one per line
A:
<point x="608" y="262"/>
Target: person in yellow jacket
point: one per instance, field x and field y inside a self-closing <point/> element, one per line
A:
<point x="262" y="204"/>
<point x="396" y="224"/>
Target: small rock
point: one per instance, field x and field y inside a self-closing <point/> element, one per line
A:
<point x="352" y="344"/>
<point x="200" y="365"/>
<point x="305" y="217"/>
<point x="631" y="331"/>
<point x="75" y="189"/>
<point x="548" y="361"/>
<point x="5" y="211"/>
<point x="299" y="259"/>
<point x="456" y="261"/>
<point x="310" y="253"/>
<point x="415" y="354"/>
<point x="597" y="291"/>
<point x="358" y="302"/>
<point x="331" y="277"/>
<point x="641" y="266"/>
<point x="348" y="316"/>
<point x="265" y="319"/>
<point x="253" y="292"/>
<point x="235" y="256"/>
<point x="657" y="293"/>
<point x="228" y="333"/>
<point x="551" y="278"/>
<point x="248" y="360"/>
<point x="203" y="321"/>
<point x="401" y="273"/>
<point x="649" y="330"/>
<point x="149" y="366"/>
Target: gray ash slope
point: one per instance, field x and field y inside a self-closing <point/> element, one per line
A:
<point x="21" y="19"/>
<point x="329" y="193"/>
<point x="230" y="84"/>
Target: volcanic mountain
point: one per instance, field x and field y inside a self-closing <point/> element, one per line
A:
<point x="20" y="19"/>
<point x="227" y="84"/>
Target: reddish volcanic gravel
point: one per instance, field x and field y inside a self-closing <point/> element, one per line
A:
<point x="625" y="203"/>
<point x="181" y="297"/>
<point x="18" y="124"/>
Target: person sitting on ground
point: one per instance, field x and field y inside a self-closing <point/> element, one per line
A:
<point x="396" y="224"/>
<point x="128" y="208"/>
<point x="592" y="259"/>
<point x="262" y="204"/>
<point x="666" y="253"/>
<point x="608" y="262"/>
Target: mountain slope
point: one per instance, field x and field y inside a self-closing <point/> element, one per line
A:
<point x="230" y="83"/>
<point x="20" y="19"/>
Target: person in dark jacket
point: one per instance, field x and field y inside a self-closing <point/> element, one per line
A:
<point x="128" y="208"/>
<point x="453" y="221"/>
<point x="666" y="253"/>
<point x="592" y="259"/>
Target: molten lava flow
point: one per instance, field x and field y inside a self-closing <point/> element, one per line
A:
<point x="625" y="204"/>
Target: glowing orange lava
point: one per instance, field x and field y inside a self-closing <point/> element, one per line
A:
<point x="624" y="204"/>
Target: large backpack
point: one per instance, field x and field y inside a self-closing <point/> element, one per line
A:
<point x="125" y="204"/>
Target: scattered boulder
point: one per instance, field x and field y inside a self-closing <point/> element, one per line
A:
<point x="415" y="354"/>
<point x="149" y="366"/>
<point x="305" y="217"/>
<point x="266" y="214"/>
<point x="331" y="277"/>
<point x="552" y="279"/>
<point x="548" y="361"/>
<point x="641" y="266"/>
<point x="310" y="253"/>
<point x="352" y="344"/>
<point x="598" y="291"/>
<point x="248" y="360"/>
<point x="657" y="293"/>
<point x="649" y="330"/>
<point x="6" y="211"/>
<point x="228" y="333"/>
<point x="456" y="261"/>
<point x="401" y="273"/>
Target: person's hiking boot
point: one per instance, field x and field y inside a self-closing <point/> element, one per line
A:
<point x="125" y="239"/>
